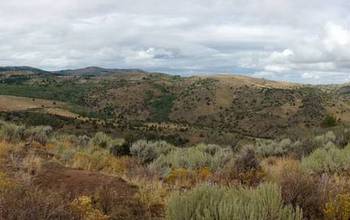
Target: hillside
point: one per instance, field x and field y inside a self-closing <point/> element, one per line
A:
<point x="194" y="109"/>
<point x="114" y="144"/>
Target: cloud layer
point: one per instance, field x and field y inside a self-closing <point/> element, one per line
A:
<point x="292" y="40"/>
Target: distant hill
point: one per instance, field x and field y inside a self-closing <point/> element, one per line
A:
<point x="198" y="108"/>
<point x="26" y="69"/>
<point x="92" y="70"/>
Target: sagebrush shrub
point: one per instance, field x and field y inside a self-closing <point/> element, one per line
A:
<point x="325" y="138"/>
<point x="147" y="151"/>
<point x="192" y="158"/>
<point x="101" y="140"/>
<point x="11" y="132"/>
<point x="342" y="137"/>
<point x="17" y="133"/>
<point x="39" y="134"/>
<point x="220" y="203"/>
<point x="329" y="159"/>
<point x="246" y="160"/>
<point x="267" y="148"/>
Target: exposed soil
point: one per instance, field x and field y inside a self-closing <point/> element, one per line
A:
<point x="77" y="182"/>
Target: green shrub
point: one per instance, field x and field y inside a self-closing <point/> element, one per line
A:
<point x="299" y="148"/>
<point x="101" y="140"/>
<point x="328" y="159"/>
<point x="147" y="151"/>
<point x="193" y="158"/>
<point x="104" y="141"/>
<point x="16" y="133"/>
<point x="39" y="134"/>
<point x="268" y="148"/>
<point x="211" y="149"/>
<point x="329" y="121"/>
<point x="246" y="160"/>
<point x="218" y="203"/>
<point x="82" y="141"/>
<point x="189" y="158"/>
<point x="160" y="107"/>
<point x="325" y="138"/>
<point x="342" y="136"/>
<point x="11" y="132"/>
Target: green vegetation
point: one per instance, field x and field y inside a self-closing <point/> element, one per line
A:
<point x="15" y="80"/>
<point x="219" y="183"/>
<point x="192" y="158"/>
<point x="149" y="151"/>
<point x="329" y="121"/>
<point x="68" y="91"/>
<point x="14" y="133"/>
<point x="161" y="107"/>
<point x="328" y="159"/>
<point x="205" y="202"/>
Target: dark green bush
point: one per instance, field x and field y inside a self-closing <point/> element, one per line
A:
<point x="329" y="121"/>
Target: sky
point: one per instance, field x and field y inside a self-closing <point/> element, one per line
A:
<point x="289" y="40"/>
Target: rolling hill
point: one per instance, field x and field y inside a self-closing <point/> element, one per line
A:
<point x="194" y="109"/>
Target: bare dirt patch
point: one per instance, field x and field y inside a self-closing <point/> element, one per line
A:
<point x="77" y="182"/>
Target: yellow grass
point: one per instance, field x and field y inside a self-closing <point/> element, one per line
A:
<point x="61" y="112"/>
<point x="15" y="103"/>
<point x="237" y="80"/>
<point x="4" y="149"/>
<point x="273" y="166"/>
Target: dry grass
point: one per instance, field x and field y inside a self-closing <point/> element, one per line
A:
<point x="15" y="103"/>
<point x="238" y="80"/>
<point x="4" y="149"/>
<point x="32" y="164"/>
<point x="152" y="193"/>
<point x="274" y="166"/>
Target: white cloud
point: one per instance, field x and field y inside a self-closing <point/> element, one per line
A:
<point x="336" y="36"/>
<point x="310" y="76"/>
<point x="283" y="40"/>
<point x="281" y="57"/>
<point x="276" y="68"/>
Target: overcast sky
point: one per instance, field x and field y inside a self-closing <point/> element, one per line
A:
<point x="292" y="40"/>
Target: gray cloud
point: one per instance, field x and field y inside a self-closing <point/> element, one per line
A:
<point x="295" y="40"/>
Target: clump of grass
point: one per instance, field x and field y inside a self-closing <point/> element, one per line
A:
<point x="11" y="132"/>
